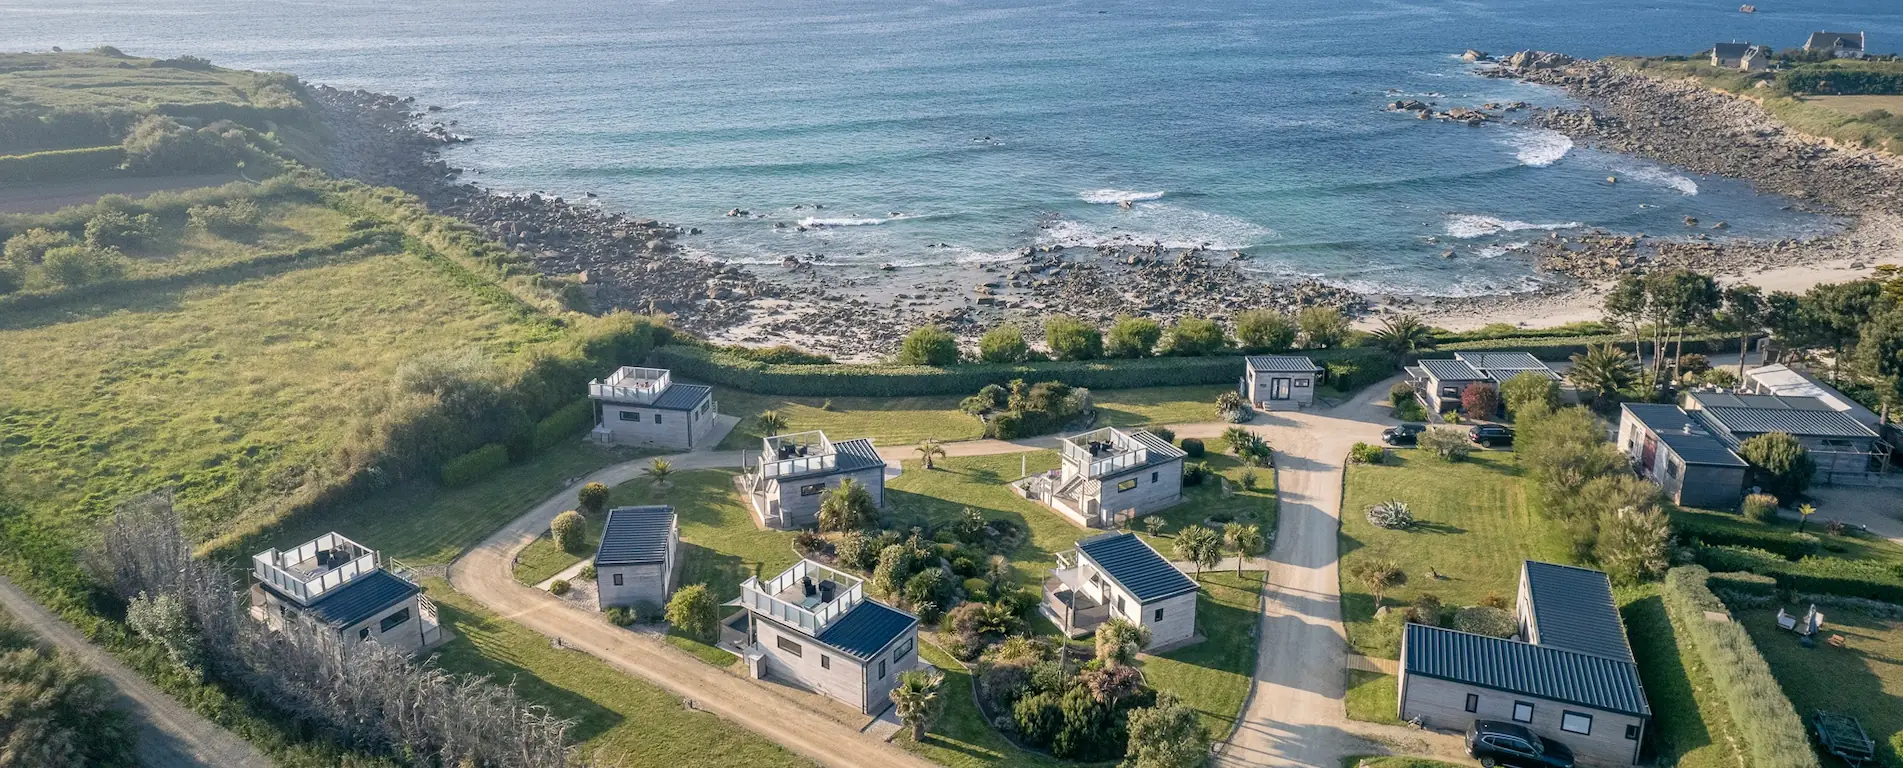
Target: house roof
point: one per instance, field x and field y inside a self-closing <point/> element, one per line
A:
<point x="1787" y="382"/>
<point x="1572" y="608"/>
<point x="1452" y="370"/>
<point x="1730" y="50"/>
<point x="1501" y="366"/>
<point x="1804" y="423"/>
<point x="1133" y="564"/>
<point x="1694" y="445"/>
<point x="635" y="535"/>
<point x="1851" y="40"/>
<point x="1547" y="672"/>
<point x="359" y="599"/>
<point x="852" y="456"/>
<point x="682" y="397"/>
<point x="1160" y="449"/>
<point x="1281" y="364"/>
<point x="867" y="629"/>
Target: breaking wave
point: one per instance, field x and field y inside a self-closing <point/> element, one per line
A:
<point x="1540" y="148"/>
<point x="1467" y="225"/>
<point x="845" y="221"/>
<point x="1684" y="185"/>
<point x="1115" y="196"/>
<point x="1169" y="225"/>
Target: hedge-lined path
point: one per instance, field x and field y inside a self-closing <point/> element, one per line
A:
<point x="170" y="735"/>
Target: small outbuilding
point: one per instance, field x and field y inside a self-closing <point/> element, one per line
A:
<point x="638" y="556"/>
<point x="1679" y="454"/>
<point x="1280" y="382"/>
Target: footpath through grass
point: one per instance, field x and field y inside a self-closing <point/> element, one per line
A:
<point x="621" y="720"/>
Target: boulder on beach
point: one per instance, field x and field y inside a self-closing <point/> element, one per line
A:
<point x="1473" y="55"/>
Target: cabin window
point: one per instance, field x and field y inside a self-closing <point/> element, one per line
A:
<point x="1120" y="608"/>
<point x="1450" y="392"/>
<point x="1473" y="702"/>
<point x="1632" y="733"/>
<point x="1154" y="476"/>
<point x="634" y="416"/>
<point x="882" y="669"/>
<point x="618" y="579"/>
<point x="1126" y="485"/>
<point x="1157" y="615"/>
<point x="904" y="648"/>
<point x="393" y="620"/>
<point x="657" y="418"/>
<point x="825" y="662"/>
<point x="1301" y="383"/>
<point x="1522" y="712"/>
<point x="1574" y="722"/>
<point x="363" y="634"/>
<point x="789" y="646"/>
<point x="813" y="490"/>
<point x="1671" y="469"/>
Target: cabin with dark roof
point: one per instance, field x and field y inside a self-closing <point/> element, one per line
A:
<point x="1744" y="56"/>
<point x="1120" y="575"/>
<point x="636" y="561"/>
<point x="1840" y="45"/>
<point x="643" y="406"/>
<point x="1279" y="382"/>
<point x="1681" y="456"/>
<point x="1845" y="449"/>
<point x="793" y="474"/>
<point x="814" y="628"/>
<point x="1108" y="477"/>
<point x="347" y="589"/>
<point x="1569" y="676"/>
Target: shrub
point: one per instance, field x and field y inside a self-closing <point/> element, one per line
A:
<point x="565" y="423"/>
<point x="114" y="228"/>
<point x="1072" y="339"/>
<point x="1693" y="364"/>
<point x="1411" y="410"/>
<point x="693" y="611"/>
<point x="1322" y="327"/>
<point x="1761" y="507"/>
<point x="1168" y="435"/>
<point x="28" y="249"/>
<point x="559" y="587"/>
<point x="847" y="507"/>
<point x="810" y="543"/>
<point x="1401" y="392"/>
<point x="1265" y="330"/>
<point x="1193" y="447"/>
<point x="1367" y="453"/>
<point x="10" y="280"/>
<point x="1743" y="680"/>
<point x="236" y="218"/>
<point x="166" y="621"/>
<point x="1195" y="337"/>
<point x="158" y="144"/>
<point x="1779" y="464"/>
<point x="593" y="498"/>
<point x="1195" y="472"/>
<point x="1378" y="576"/>
<point x="928" y="345"/>
<point x="74" y="266"/>
<point x="1485" y="620"/>
<point x="1038" y="717"/>
<point x="1132" y="337"/>
<point x="1529" y="389"/>
<point x="1702" y="529"/>
<point x="1447" y="444"/>
<point x="1003" y="344"/>
<point x="60" y="712"/>
<point x="1247" y="479"/>
<point x="977" y="590"/>
<point x="568" y="531"/>
<point x="622" y="615"/>
<point x="1391" y="515"/>
<point x="475" y="465"/>
<point x="1633" y="544"/>
<point x="1480" y="401"/>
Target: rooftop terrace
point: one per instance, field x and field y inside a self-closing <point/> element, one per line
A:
<point x="1107" y="451"/>
<point x="808" y="595"/>
<point x="800" y="453"/>
<point x="315" y="568"/>
<point x="631" y="384"/>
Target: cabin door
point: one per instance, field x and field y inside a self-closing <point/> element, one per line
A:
<point x="1279" y="389"/>
<point x="1649" y="452"/>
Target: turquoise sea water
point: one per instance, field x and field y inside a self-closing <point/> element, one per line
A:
<point x="988" y="125"/>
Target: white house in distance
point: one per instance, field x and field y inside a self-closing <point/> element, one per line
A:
<point x="1118" y="574"/>
<point x="1109" y="477"/>
<point x="1744" y="56"/>
<point x="1840" y="45"/>
<point x="637" y="559"/>
<point x="795" y="471"/>
<point x="1280" y="382"/>
<point x="643" y="406"/>
<point x="344" y="586"/>
<point x="813" y="627"/>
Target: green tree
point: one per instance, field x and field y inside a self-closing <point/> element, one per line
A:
<point x="1246" y="540"/>
<point x="1265" y="330"/>
<point x="847" y="507"/>
<point x="928" y="345"/>
<point x="1322" y="327"/>
<point x="1195" y="337"/>
<point x="1404" y="335"/>
<point x="58" y="712"/>
<point x="1627" y="306"/>
<point x="1564" y="450"/>
<point x="1744" y="315"/>
<point x="164" y="620"/>
<point x="930" y="448"/>
<point x="1602" y="370"/>
<point x="1880" y="350"/>
<point x="693" y="611"/>
<point x="1003" y="344"/>
<point x="1681" y="298"/>
<point x="1072" y="339"/>
<point x="568" y="531"/>
<point x="1835" y="314"/>
<point x="1168" y="735"/>
<point x="1529" y="388"/>
<point x="1198" y="545"/>
<point x="770" y="423"/>
<point x="1779" y="464"/>
<point x="1634" y="543"/>
<point x="916" y="699"/>
<point x="592" y="498"/>
<point x="1133" y="337"/>
<point x="28" y="249"/>
<point x="1119" y="641"/>
<point x="76" y="265"/>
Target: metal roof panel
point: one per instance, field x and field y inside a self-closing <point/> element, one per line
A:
<point x="1136" y="566"/>
<point x="635" y="535"/>
<point x="1534" y="670"/>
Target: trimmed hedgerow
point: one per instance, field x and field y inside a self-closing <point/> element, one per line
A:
<point x="62" y="164"/>
<point x="1775" y="736"/>
<point x="1564" y="347"/>
<point x="474" y="465"/>
<point x="1350" y="368"/>
<point x="1819" y="575"/>
<point x="564" y="423"/>
<point x="1703" y="529"/>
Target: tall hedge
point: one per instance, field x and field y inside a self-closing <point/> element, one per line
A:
<point x="565" y="423"/>
<point x="1773" y="734"/>
<point x="1353" y="367"/>
<point x="1820" y="575"/>
<point x="1694" y="527"/>
<point x="474" y="465"/>
<point x="62" y="164"/>
<point x="1564" y="347"/>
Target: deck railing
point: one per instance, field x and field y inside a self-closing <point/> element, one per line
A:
<point x="271" y="567"/>
<point x="764" y="598"/>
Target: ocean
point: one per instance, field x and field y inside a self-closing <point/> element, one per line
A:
<point x="927" y="134"/>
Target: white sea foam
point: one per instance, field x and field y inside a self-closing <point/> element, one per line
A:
<point x="845" y="221"/>
<point x="1172" y="226"/>
<point x="1684" y="185"/>
<point x="1539" y="148"/>
<point x="1499" y="249"/>
<point x="1115" y="196"/>
<point x="1466" y="226"/>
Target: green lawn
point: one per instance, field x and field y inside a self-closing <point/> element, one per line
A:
<point x="1157" y="405"/>
<point x="1209" y="503"/>
<point x="1864" y="678"/>
<point x="929" y="497"/>
<point x="1395" y="762"/>
<point x="887" y="420"/>
<point x="623" y="720"/>
<point x="1690" y="728"/>
<point x="1213" y="677"/>
<point x="1373" y="697"/>
<point x="1477" y="523"/>
<point x="961" y="738"/>
<point x="543" y="559"/>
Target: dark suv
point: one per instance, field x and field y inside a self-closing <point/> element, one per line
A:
<point x="1490" y="435"/>
<point x="1405" y="434"/>
<point x="1495" y="743"/>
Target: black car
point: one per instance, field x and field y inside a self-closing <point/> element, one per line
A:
<point x="1405" y="434"/>
<point x="1490" y="435"/>
<point x="1496" y="743"/>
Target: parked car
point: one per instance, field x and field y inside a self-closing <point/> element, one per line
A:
<point x="1496" y="743"/>
<point x="1405" y="434"/>
<point x="1490" y="435"/>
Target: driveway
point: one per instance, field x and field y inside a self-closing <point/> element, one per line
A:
<point x="1878" y="510"/>
<point x="170" y="736"/>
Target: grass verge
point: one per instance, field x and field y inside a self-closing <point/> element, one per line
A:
<point x="1864" y="678"/>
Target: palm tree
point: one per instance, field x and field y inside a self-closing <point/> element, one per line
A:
<point x="1404" y="335"/>
<point x="1602" y="370"/>
<point x="771" y="423"/>
<point x="1246" y="539"/>
<point x="1195" y="543"/>
<point x="658" y="471"/>
<point x="1804" y="511"/>
<point x="916" y="699"/>
<point x="1118" y="641"/>
<point x="930" y="448"/>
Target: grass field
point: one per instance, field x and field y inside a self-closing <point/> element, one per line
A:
<point x="1156" y="405"/>
<point x="1864" y="678"/>
<point x="887" y="420"/>
<point x="1690" y="727"/>
<point x="621" y="719"/>
<point x="1213" y="677"/>
<point x="1477" y="523"/>
<point x="1373" y="697"/>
